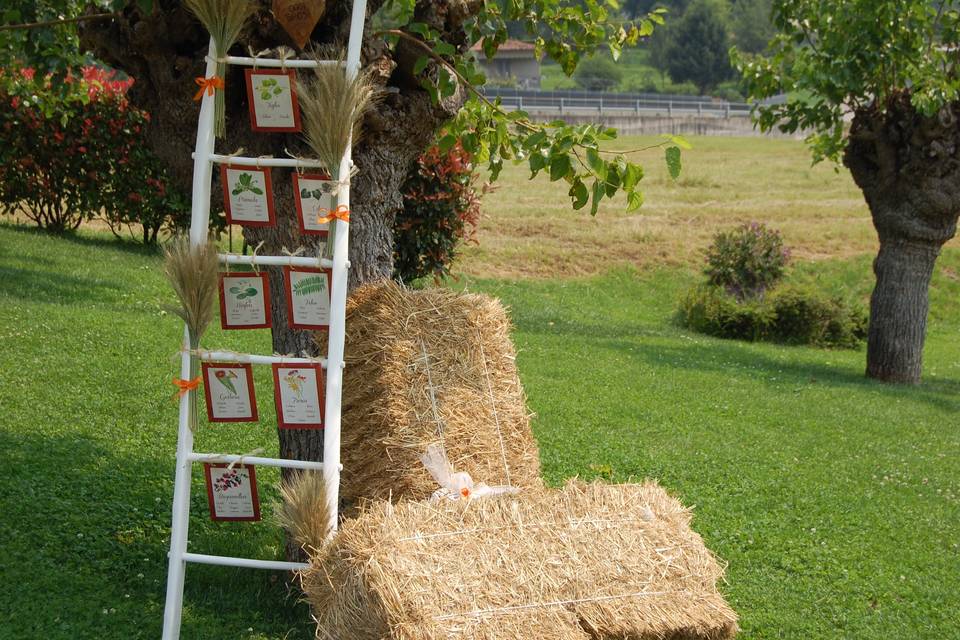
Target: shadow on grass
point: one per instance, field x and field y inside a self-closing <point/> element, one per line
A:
<point x="86" y="239"/>
<point x="75" y="507"/>
<point x="56" y="288"/>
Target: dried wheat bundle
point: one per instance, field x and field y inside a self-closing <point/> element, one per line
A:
<point x="193" y="271"/>
<point x="588" y="562"/>
<point x="303" y="511"/>
<point x="423" y="367"/>
<point x="223" y="19"/>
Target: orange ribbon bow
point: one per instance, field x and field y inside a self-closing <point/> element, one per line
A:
<point x="208" y="85"/>
<point x="184" y="386"/>
<point x="340" y="213"/>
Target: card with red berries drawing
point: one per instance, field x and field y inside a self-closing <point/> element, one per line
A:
<point x="232" y="492"/>
<point x="228" y="388"/>
<point x="299" y="395"/>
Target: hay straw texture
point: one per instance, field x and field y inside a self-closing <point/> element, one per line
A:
<point x="223" y="19"/>
<point x="388" y="411"/>
<point x="333" y="109"/>
<point x="193" y="273"/>
<point x="303" y="509"/>
<point x="590" y="561"/>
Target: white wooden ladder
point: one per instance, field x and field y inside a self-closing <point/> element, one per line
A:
<point x="204" y="159"/>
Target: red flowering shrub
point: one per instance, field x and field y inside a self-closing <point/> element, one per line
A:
<point x="72" y="150"/>
<point x="441" y="208"/>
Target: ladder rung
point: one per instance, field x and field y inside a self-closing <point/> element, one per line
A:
<point x="298" y="163"/>
<point x="263" y="462"/>
<point x="275" y="62"/>
<point x="252" y="358"/>
<point x="295" y="261"/>
<point x="251" y="563"/>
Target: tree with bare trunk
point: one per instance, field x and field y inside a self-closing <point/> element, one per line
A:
<point x="876" y="83"/>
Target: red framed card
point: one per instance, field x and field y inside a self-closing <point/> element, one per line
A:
<point x="272" y="95"/>
<point x="310" y="198"/>
<point x="298" y="392"/>
<point x="244" y="301"/>
<point x="232" y="493"/>
<point x="228" y="388"/>
<point x="308" y="297"/>
<point x="248" y="195"/>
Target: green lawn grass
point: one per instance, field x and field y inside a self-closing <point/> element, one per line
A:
<point x="835" y="500"/>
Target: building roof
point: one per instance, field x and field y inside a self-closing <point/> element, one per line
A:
<point x="509" y="45"/>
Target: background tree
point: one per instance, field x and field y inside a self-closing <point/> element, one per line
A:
<point x="751" y="24"/>
<point x="698" y="47"/>
<point x="892" y="65"/>
<point x="598" y="73"/>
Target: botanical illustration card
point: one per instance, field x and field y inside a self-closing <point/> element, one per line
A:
<point x="308" y="297"/>
<point x="311" y="199"/>
<point x="273" y="100"/>
<point x="247" y="195"/>
<point x="299" y="395"/>
<point x="232" y="493"/>
<point x="244" y="301"/>
<point x="228" y="388"/>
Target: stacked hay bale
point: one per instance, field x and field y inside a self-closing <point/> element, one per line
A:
<point x="590" y="561"/>
<point x="419" y="363"/>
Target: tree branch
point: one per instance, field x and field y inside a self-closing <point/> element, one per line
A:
<point x="54" y="23"/>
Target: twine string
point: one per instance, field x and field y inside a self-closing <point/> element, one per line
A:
<point x="493" y="405"/>
<point x="433" y="399"/>
<point x="253" y="262"/>
<point x="477" y="613"/>
<point x="248" y="454"/>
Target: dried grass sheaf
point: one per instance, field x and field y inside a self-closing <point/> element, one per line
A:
<point x="303" y="511"/>
<point x="223" y="19"/>
<point x="193" y="273"/>
<point x="333" y="108"/>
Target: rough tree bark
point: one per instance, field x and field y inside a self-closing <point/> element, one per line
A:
<point x="164" y="51"/>
<point x="908" y="167"/>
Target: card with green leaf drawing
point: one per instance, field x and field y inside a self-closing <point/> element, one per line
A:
<point x="312" y="193"/>
<point x="244" y="301"/>
<point x="228" y="388"/>
<point x="272" y="95"/>
<point x="308" y="297"/>
<point x="232" y="491"/>
<point x="299" y="395"/>
<point x="248" y="195"/>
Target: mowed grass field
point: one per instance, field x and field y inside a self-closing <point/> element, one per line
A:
<point x="834" y="500"/>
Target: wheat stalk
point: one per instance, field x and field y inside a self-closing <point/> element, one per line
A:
<point x="223" y="19"/>
<point x="304" y="510"/>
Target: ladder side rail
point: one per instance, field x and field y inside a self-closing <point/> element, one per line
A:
<point x="338" y="295"/>
<point x="180" y="521"/>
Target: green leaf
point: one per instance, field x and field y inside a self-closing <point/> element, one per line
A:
<point x="673" y="161"/>
<point x="596" y="163"/>
<point x="632" y="175"/>
<point x="559" y="167"/>
<point x="598" y="191"/>
<point x="579" y="194"/>
<point x="420" y="65"/>
<point x="679" y="141"/>
<point x="634" y="200"/>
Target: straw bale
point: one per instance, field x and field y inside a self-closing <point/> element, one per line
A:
<point x="588" y="561"/>
<point x="388" y="413"/>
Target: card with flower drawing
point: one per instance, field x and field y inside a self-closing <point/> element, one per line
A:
<point x="232" y="493"/>
<point x="299" y="395"/>
<point x="310" y="193"/>
<point x="248" y="195"/>
<point x="272" y="94"/>
<point x="244" y="301"/>
<point x="308" y="297"/>
<point x="228" y="388"/>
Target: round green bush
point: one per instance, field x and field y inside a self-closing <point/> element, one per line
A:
<point x="746" y="261"/>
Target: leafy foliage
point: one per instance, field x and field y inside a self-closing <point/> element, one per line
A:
<point x="441" y="209"/>
<point x="564" y="32"/>
<point x="598" y="73"/>
<point x="791" y="314"/>
<point x="310" y="285"/>
<point x="835" y="56"/>
<point x="747" y="260"/>
<point x="74" y="151"/>
<point x="697" y="49"/>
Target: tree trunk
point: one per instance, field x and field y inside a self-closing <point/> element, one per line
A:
<point x="898" y="310"/>
<point x="908" y="167"/>
<point x="164" y="51"/>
